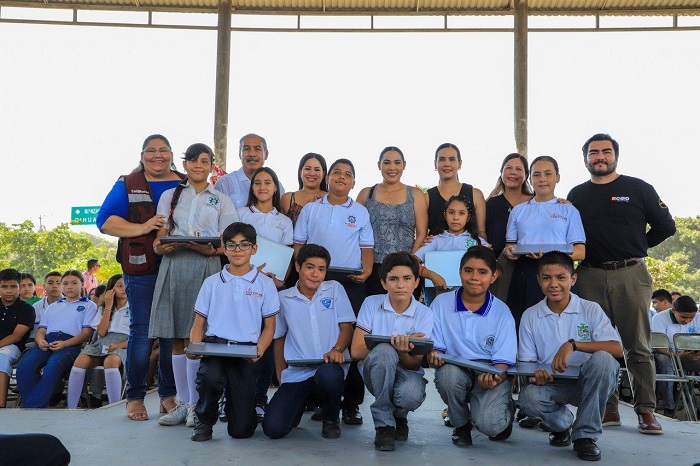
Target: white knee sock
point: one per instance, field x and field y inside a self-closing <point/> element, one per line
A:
<point x="180" y="373"/>
<point x="75" y="386"/>
<point x="192" y="368"/>
<point x="113" y="381"/>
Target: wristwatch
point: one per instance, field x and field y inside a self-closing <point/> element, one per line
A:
<point x="573" y="343"/>
<point x="337" y="348"/>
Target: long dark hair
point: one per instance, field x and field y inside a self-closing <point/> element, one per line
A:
<point x="111" y="283"/>
<point x="321" y="160"/>
<point x="252" y="200"/>
<point x="471" y="226"/>
<point x="192" y="153"/>
<point x="501" y="187"/>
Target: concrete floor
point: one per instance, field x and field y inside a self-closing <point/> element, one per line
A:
<point x="105" y="436"/>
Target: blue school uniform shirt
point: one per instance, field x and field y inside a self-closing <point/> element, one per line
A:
<point x="447" y="241"/>
<point x="547" y="222"/>
<point x="70" y="318"/>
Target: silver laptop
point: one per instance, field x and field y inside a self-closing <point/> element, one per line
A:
<point x="223" y="350"/>
<point x="420" y="346"/>
<point x="524" y="249"/>
<point x="528" y="369"/>
<point x="470" y="364"/>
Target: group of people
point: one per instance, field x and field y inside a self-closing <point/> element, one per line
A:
<point x="357" y="269"/>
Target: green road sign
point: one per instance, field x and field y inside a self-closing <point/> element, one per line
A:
<point x="84" y="215"/>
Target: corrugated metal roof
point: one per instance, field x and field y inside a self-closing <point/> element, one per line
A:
<point x="426" y="7"/>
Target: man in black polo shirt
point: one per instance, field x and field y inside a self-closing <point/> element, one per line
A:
<point x="16" y="320"/>
<point x="615" y="210"/>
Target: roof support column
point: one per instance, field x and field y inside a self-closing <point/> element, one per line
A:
<point x="223" y="68"/>
<point x="520" y="79"/>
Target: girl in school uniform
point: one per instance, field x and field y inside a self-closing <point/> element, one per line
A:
<point x="63" y="328"/>
<point x="193" y="208"/>
<point x="109" y="349"/>
<point x="541" y="220"/>
<point x="461" y="234"/>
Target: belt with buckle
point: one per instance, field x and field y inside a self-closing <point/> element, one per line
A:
<point x="613" y="265"/>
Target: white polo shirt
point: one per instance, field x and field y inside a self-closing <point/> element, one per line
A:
<point x="343" y="229"/>
<point x="542" y="332"/>
<point x="447" y="241"/>
<point x="120" y="320"/>
<point x="272" y="225"/>
<point x="378" y="317"/>
<point x="237" y="187"/>
<point x="70" y="318"/>
<point x="40" y="308"/>
<point x="236" y="306"/>
<point x="311" y="326"/>
<point x="205" y="214"/>
<point x="487" y="333"/>
<point x="547" y="222"/>
<point x="665" y="322"/>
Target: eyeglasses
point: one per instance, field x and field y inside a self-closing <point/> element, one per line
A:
<point x="231" y="246"/>
<point x="152" y="151"/>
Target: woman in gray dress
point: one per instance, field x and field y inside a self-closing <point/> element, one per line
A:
<point x="398" y="213"/>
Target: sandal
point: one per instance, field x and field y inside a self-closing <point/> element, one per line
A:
<point x="137" y="412"/>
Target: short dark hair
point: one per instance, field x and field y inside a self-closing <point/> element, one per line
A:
<point x="556" y="258"/>
<point x="675" y="292"/>
<point x="662" y="295"/>
<point x="25" y="275"/>
<point x="391" y="149"/>
<point x="100" y="290"/>
<point x="399" y="259"/>
<point x="601" y="137"/>
<point x="685" y="304"/>
<point x="545" y="158"/>
<point x="346" y="162"/>
<point x="53" y="273"/>
<point x="73" y="273"/>
<point x="480" y="252"/>
<point x="445" y="146"/>
<point x="310" y="250"/>
<point x="10" y="275"/>
<point x="91" y="263"/>
<point x="240" y="228"/>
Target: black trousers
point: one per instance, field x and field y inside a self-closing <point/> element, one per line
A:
<point x="237" y="376"/>
<point x="32" y="450"/>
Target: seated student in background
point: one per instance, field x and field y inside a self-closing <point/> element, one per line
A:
<point x="564" y="330"/>
<point x="64" y="327"/>
<point x="52" y="291"/>
<point x="16" y="320"/>
<point x="391" y="374"/>
<point x="315" y="322"/>
<point x="238" y="304"/>
<point x="109" y="350"/>
<point x="661" y="300"/>
<point x="473" y="324"/>
<point x="342" y="226"/>
<point x="27" y="288"/>
<point x="683" y="317"/>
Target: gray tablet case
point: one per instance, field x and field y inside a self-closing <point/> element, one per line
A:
<point x="474" y="365"/>
<point x="305" y="362"/>
<point x="521" y="249"/>
<point x="214" y="240"/>
<point x="420" y="346"/>
<point x="345" y="270"/>
<point x="528" y="369"/>
<point x="223" y="350"/>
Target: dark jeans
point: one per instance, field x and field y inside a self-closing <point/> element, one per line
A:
<point x="287" y="406"/>
<point x="33" y="450"/>
<point x="139" y="292"/>
<point x="262" y="382"/>
<point x="35" y="389"/>
<point x="237" y="376"/>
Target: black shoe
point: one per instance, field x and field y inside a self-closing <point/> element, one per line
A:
<point x="260" y="413"/>
<point x="202" y="432"/>
<point x="317" y="416"/>
<point x="586" y="449"/>
<point x="330" y="429"/>
<point x="528" y="422"/>
<point x="352" y="416"/>
<point x="384" y="439"/>
<point x="560" y="439"/>
<point x="669" y="413"/>
<point x="503" y="435"/>
<point x="462" y="436"/>
<point x="401" y="433"/>
<point x="520" y="415"/>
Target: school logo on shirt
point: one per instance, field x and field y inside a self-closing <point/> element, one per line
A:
<point x="80" y="308"/>
<point x="327" y="302"/>
<point x="488" y="342"/>
<point x="351" y="221"/>
<point x="584" y="333"/>
<point x="662" y="205"/>
<point x="469" y="242"/>
<point x="250" y="292"/>
<point x="556" y="216"/>
<point x="213" y="201"/>
<point x="620" y="199"/>
<point x="410" y="331"/>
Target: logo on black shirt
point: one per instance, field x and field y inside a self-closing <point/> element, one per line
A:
<point x="620" y="199"/>
<point x="662" y="205"/>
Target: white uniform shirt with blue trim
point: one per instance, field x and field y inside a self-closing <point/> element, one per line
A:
<point x="120" y="320"/>
<point x="311" y="326"/>
<point x="542" y="332"/>
<point x="236" y="306"/>
<point x="343" y="229"/>
<point x="547" y="222"/>
<point x="378" y="317"/>
<point x="236" y="186"/>
<point x="205" y="214"/>
<point x="272" y="225"/>
<point x="665" y="322"/>
<point x="447" y="241"/>
<point x="69" y="317"/>
<point x="487" y="333"/>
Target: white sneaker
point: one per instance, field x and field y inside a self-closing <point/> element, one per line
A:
<point x="191" y="416"/>
<point x="175" y="416"/>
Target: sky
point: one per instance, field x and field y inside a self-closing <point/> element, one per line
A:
<point x="77" y="102"/>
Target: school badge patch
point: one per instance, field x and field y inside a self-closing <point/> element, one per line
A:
<point x="213" y="201"/>
<point x="80" y="308"/>
<point x="584" y="333"/>
<point x="327" y="302"/>
<point x="488" y="342"/>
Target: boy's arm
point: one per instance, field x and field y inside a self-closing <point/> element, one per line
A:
<point x="436" y="278"/>
<point x="197" y="333"/>
<point x="278" y="351"/>
<point x="343" y="341"/>
<point x="266" y="336"/>
<point x="402" y="347"/>
<point x="560" y="361"/>
<point x="40" y="339"/>
<point x="367" y="258"/>
<point x="358" y="349"/>
<point x="15" y="336"/>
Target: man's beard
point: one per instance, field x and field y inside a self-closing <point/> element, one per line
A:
<point x="609" y="168"/>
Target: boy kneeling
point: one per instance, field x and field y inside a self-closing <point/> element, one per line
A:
<point x="391" y="374"/>
<point x="315" y="322"/>
<point x="233" y="306"/>
<point x="564" y="330"/>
